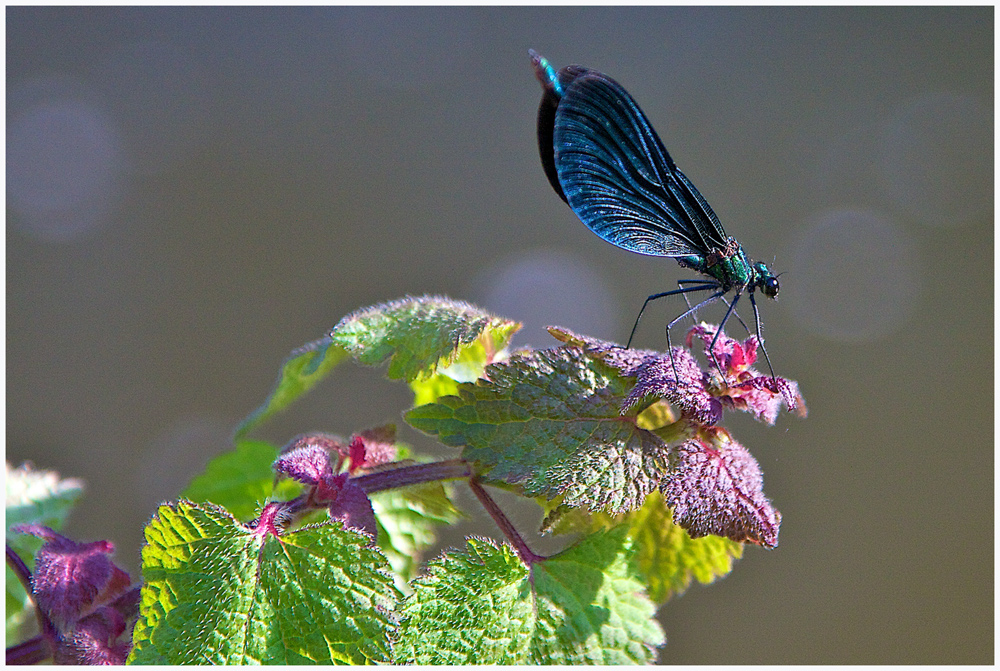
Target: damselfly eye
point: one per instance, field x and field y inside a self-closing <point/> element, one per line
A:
<point x="770" y="287"/>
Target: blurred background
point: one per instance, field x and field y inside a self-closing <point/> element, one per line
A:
<point x="192" y="193"/>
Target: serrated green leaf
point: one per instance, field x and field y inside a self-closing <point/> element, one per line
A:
<point x="597" y="610"/>
<point x="470" y="608"/>
<point x="582" y="606"/>
<point x="217" y="592"/>
<point x="433" y="388"/>
<point x="548" y="422"/>
<point x="407" y="521"/>
<point x="414" y="335"/>
<point x="240" y="480"/>
<point x="300" y="372"/>
<point x="467" y="366"/>
<point x="666" y="556"/>
<point x="32" y="497"/>
<point x="669" y="558"/>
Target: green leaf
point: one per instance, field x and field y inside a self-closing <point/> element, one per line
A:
<point x="407" y="520"/>
<point x="596" y="610"/>
<point x="240" y="480"/>
<point x="470" y="608"/>
<point x="581" y="606"/>
<point x="217" y="592"/>
<point x="669" y="558"/>
<point x="300" y="372"/>
<point x="33" y="497"/>
<point x="548" y="422"/>
<point x="666" y="556"/>
<point x="414" y="335"/>
<point x="468" y="366"/>
<point x="434" y="387"/>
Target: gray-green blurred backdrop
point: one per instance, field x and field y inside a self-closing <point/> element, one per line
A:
<point x="193" y="192"/>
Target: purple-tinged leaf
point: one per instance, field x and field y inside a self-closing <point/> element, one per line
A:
<point x="72" y="579"/>
<point x="353" y="507"/>
<point x="308" y="455"/>
<point x="735" y="357"/>
<point x="373" y="447"/>
<point x="85" y="599"/>
<point x="308" y="464"/>
<point x="761" y="395"/>
<point x="654" y="373"/>
<point x="716" y="488"/>
<point x="549" y="422"/>
<point x="307" y="459"/>
<point x="34" y="496"/>
<point x="358" y="453"/>
<point x="93" y="641"/>
<point x="698" y="395"/>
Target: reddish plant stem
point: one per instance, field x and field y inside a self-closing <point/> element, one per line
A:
<point x="32" y="651"/>
<point x="451" y="469"/>
<point x="416" y="474"/>
<point x="370" y="483"/>
<point x="527" y="556"/>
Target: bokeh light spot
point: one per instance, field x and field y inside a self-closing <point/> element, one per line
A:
<point x="63" y="165"/>
<point x="545" y="287"/>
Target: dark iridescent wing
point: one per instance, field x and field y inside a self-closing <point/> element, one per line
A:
<point x="618" y="177"/>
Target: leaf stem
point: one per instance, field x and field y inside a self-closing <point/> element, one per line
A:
<point x="416" y="474"/>
<point x="527" y="556"/>
<point x="32" y="651"/>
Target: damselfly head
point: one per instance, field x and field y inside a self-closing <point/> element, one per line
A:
<point x="768" y="282"/>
